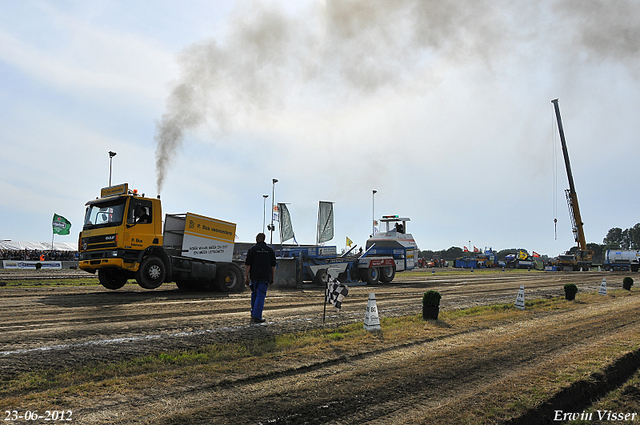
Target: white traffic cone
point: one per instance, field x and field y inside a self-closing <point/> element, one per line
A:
<point x="603" y="287"/>
<point x="371" y="318"/>
<point x="520" y="298"/>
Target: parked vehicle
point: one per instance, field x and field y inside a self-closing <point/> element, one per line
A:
<point x="615" y="259"/>
<point x="521" y="260"/>
<point x="480" y="260"/>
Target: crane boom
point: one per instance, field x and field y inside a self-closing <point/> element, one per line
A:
<point x="565" y="152"/>
<point x="583" y="255"/>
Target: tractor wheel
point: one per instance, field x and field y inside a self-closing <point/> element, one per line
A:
<point x="371" y="275"/>
<point x="387" y="274"/>
<point x="151" y="273"/>
<point x="321" y="278"/>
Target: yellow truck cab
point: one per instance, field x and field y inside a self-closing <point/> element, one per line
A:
<point x="118" y="228"/>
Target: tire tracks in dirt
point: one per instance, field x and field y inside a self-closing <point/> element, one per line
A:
<point x="428" y="381"/>
<point x="72" y="319"/>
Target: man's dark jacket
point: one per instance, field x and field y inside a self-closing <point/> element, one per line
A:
<point x="261" y="258"/>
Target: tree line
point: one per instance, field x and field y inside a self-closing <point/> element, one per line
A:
<point x="627" y="239"/>
<point x="617" y="238"/>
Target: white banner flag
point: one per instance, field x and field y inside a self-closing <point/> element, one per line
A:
<point x="286" y="227"/>
<point x="325" y="221"/>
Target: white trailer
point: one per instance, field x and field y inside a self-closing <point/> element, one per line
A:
<point x="615" y="259"/>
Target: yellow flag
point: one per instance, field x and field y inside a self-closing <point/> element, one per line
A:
<point x="349" y="241"/>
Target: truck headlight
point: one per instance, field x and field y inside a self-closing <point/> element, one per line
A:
<point x="114" y="253"/>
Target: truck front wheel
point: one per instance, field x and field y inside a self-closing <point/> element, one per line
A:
<point x="229" y="279"/>
<point x="111" y="278"/>
<point x="151" y="273"/>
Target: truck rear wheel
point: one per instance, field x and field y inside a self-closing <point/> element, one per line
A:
<point x="387" y="274"/>
<point x="151" y="273"/>
<point x="229" y="278"/>
<point x="111" y="278"/>
<point x="371" y="275"/>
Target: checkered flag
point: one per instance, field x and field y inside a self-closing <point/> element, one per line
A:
<point x="336" y="292"/>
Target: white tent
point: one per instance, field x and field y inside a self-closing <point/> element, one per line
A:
<point x="38" y="246"/>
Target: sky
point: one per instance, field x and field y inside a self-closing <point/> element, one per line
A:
<point x="442" y="107"/>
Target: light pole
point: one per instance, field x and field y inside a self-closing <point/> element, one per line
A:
<point x="373" y="212"/>
<point x="264" y="210"/>
<point x="273" y="197"/>
<point x="111" y="155"/>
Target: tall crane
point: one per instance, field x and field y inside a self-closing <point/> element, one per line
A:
<point x="583" y="256"/>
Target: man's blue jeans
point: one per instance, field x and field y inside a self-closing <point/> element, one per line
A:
<point x="258" y="295"/>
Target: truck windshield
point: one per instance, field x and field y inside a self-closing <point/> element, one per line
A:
<point x="104" y="214"/>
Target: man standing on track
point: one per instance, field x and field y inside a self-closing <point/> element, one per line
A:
<point x="260" y="270"/>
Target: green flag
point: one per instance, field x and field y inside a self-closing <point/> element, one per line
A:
<point x="61" y="225"/>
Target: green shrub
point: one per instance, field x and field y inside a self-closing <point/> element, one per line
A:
<point x="431" y="298"/>
<point x="627" y="283"/>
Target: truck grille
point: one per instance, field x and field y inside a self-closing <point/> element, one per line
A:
<point x="99" y="242"/>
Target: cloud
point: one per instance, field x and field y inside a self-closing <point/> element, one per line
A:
<point x="73" y="55"/>
<point x="606" y="31"/>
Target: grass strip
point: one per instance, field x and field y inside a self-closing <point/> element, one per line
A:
<point x="50" y="282"/>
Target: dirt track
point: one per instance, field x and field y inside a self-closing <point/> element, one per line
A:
<point x="65" y="325"/>
<point x="62" y="326"/>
